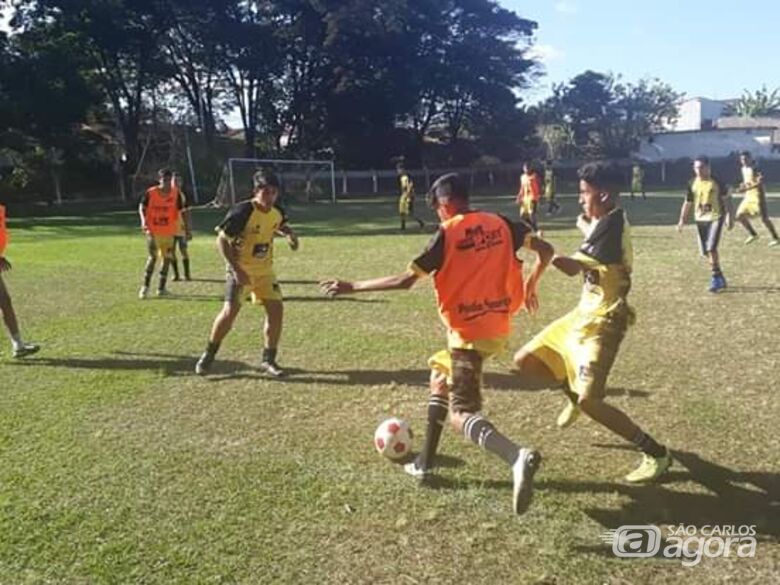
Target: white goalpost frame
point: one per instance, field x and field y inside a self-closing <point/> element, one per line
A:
<point x="274" y="161"/>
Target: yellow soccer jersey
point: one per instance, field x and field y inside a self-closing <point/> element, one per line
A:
<point x="708" y="198"/>
<point x="608" y="257"/>
<point x="252" y="230"/>
<point x="751" y="176"/>
<point x="407" y="185"/>
<point x="184" y="206"/>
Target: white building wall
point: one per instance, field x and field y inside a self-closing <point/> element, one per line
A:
<point x="698" y="114"/>
<point x="712" y="143"/>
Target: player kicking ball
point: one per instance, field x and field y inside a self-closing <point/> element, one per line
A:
<point x="711" y="209"/>
<point x="19" y="347"/>
<point x="246" y="241"/>
<point x="577" y="351"/>
<point x="479" y="288"/>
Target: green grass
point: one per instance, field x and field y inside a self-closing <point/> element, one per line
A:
<point x="118" y="465"/>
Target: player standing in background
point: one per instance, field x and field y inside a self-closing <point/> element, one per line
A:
<point x="183" y="233"/>
<point x="711" y="209"/>
<point x="160" y="209"/>
<point x="754" y="203"/>
<point x="638" y="180"/>
<point x="577" y="351"/>
<point x="19" y="347"/>
<point x="549" y="188"/>
<point x="406" y="200"/>
<point x="479" y="288"/>
<point x="246" y="241"/>
<point x="528" y="196"/>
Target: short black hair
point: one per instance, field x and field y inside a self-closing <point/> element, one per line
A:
<point x="702" y="159"/>
<point x="604" y="176"/>
<point x="745" y="153"/>
<point x="265" y="178"/>
<point x="164" y="172"/>
<point x="449" y="186"/>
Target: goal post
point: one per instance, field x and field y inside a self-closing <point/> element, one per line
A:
<point x="311" y="179"/>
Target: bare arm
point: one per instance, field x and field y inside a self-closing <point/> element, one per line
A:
<point x="544" y="253"/>
<point x="402" y="281"/>
<point x="229" y="253"/>
<point x="569" y="266"/>
<point x="685" y="211"/>
<point x="287" y="232"/>
<point x="142" y="214"/>
<point x="186" y="216"/>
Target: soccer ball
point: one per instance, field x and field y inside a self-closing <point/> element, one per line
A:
<point x="393" y="438"/>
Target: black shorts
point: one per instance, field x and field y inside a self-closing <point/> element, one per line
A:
<point x="709" y="234"/>
<point x="466" y="393"/>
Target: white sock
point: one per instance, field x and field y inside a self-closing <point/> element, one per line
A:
<point x="16" y="341"/>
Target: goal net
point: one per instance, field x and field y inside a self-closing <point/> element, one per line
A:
<point x="301" y="180"/>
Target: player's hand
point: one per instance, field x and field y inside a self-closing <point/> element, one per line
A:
<point x="334" y="288"/>
<point x="5" y="265"/>
<point x="242" y="278"/>
<point x="144" y="228"/>
<point x="680" y="226"/>
<point x="531" y="298"/>
<point x="292" y="241"/>
<point x="189" y="236"/>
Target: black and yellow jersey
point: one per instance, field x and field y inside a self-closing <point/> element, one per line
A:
<point x="751" y="176"/>
<point x="184" y="206"/>
<point x="708" y="197"/>
<point x="407" y="185"/>
<point x="251" y="231"/>
<point x="549" y="183"/>
<point x="608" y="257"/>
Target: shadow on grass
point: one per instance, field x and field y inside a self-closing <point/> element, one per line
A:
<point x="733" y="498"/>
<point x="751" y="289"/>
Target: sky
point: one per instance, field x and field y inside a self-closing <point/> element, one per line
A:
<point x="712" y="49"/>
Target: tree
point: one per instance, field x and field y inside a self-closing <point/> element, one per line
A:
<point x="760" y="103"/>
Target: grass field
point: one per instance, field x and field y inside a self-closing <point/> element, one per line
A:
<point x="118" y="465"/>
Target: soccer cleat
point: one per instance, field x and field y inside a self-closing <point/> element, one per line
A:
<point x="717" y="283"/>
<point x="271" y="368"/>
<point x="751" y="239"/>
<point x="650" y="469"/>
<point x="418" y="473"/>
<point x="143" y="293"/>
<point x="569" y="415"/>
<point x="163" y="292"/>
<point x="204" y="363"/>
<point x="523" y="471"/>
<point x="26" y="349"/>
<point x="774" y="243"/>
<point x="722" y="280"/>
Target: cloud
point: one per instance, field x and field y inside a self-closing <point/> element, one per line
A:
<point x="545" y="53"/>
<point x="564" y="7"/>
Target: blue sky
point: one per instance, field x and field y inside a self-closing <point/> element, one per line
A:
<point x="712" y="49"/>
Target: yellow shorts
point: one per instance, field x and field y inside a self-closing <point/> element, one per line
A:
<point x="581" y="349"/>
<point x="750" y="206"/>
<point x="160" y="245"/>
<point x="441" y="361"/>
<point x="527" y="207"/>
<point x="404" y="205"/>
<point x="260" y="289"/>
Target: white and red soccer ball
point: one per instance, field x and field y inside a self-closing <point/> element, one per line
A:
<point x="393" y="438"/>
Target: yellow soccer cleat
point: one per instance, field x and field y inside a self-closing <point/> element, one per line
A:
<point x="569" y="415"/>
<point x="650" y="469"/>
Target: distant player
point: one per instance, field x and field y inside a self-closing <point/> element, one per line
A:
<point x="638" y="180"/>
<point x="528" y="196"/>
<point x="711" y="209"/>
<point x="754" y="203"/>
<point x="19" y="347"/>
<point x="577" y="351"/>
<point x="549" y="189"/>
<point x="246" y="241"/>
<point x="479" y="287"/>
<point x="183" y="233"/>
<point x="160" y="209"/>
<point x="406" y="199"/>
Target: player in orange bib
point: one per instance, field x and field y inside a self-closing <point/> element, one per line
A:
<point x="20" y="348"/>
<point x="528" y="196"/>
<point x="479" y="288"/>
<point x="160" y="210"/>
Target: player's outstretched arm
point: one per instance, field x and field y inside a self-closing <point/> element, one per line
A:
<point x="401" y="281"/>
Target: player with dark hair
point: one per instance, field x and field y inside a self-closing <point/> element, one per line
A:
<point x="183" y="233"/>
<point x="479" y="288"/>
<point x="754" y="203"/>
<point x="577" y="351"/>
<point x="528" y="196"/>
<point x="160" y="208"/>
<point x="18" y="345"/>
<point x="245" y="240"/>
<point x="711" y="209"/>
<point x="406" y="199"/>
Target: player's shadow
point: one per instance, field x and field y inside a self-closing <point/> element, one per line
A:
<point x="212" y="280"/>
<point x="165" y="364"/>
<point x="750" y="289"/>
<point x="732" y="498"/>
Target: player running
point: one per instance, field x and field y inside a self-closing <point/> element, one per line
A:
<point x="479" y="287"/>
<point x="577" y="351"/>
<point x="528" y="196"/>
<point x="159" y="209"/>
<point x="754" y="203"/>
<point x="406" y="200"/>
<point x="711" y="209"/>
<point x="246" y="241"/>
<point x="18" y="345"/>
<point x="183" y="233"/>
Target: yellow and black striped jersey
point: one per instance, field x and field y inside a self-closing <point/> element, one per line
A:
<point x="251" y="230"/>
